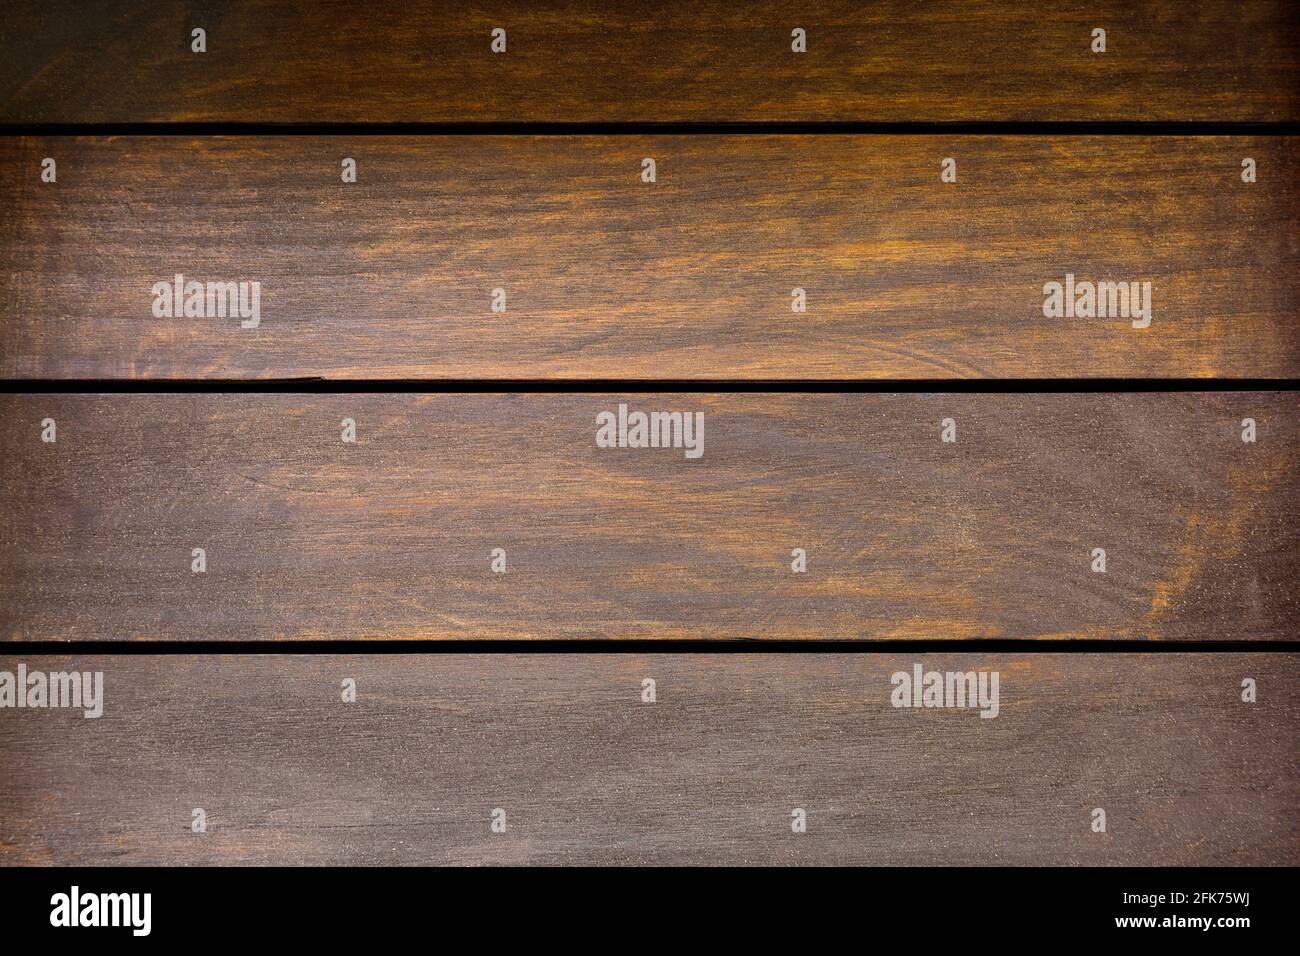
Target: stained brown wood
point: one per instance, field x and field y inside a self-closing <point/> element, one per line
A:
<point x="906" y="536"/>
<point x="606" y="276"/>
<point x="586" y="772"/>
<point x="389" y="60"/>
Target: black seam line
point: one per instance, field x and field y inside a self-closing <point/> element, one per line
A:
<point x="314" y="385"/>
<point x="962" y="127"/>
<point x="362" y="646"/>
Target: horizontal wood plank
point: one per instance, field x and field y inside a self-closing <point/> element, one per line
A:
<point x="394" y="61"/>
<point x="588" y="773"/>
<point x="603" y="275"/>
<point x="905" y="535"/>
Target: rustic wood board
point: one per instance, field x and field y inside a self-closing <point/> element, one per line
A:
<point x="710" y="772"/>
<point x="606" y="276"/>
<point x="391" y="60"/>
<point x="906" y="536"/>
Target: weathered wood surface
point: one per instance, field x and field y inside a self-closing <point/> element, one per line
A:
<point x="395" y="61"/>
<point x="906" y="536"/>
<point x="586" y="772"/>
<point x="607" y="276"/>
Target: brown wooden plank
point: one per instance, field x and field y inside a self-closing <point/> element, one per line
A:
<point x="389" y="60"/>
<point x="609" y="277"/>
<point x="906" y="536"/>
<point x="586" y="772"/>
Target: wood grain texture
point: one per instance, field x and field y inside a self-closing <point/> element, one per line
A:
<point x="906" y="537"/>
<point x="588" y="774"/>
<point x="389" y="60"/>
<point x="690" y="277"/>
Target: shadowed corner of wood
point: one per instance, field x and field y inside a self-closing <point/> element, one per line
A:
<point x="1208" y="538"/>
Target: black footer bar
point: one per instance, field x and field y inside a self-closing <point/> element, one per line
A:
<point x="927" y="909"/>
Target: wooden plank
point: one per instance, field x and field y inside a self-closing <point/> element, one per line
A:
<point x="606" y="276"/>
<point x="389" y="60"/>
<point x="587" y="773"/>
<point x="906" y="536"/>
